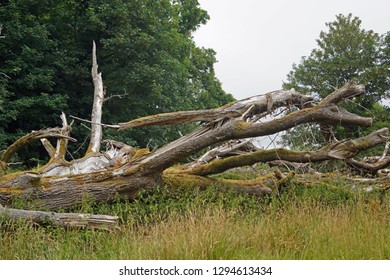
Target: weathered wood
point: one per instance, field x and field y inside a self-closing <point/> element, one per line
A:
<point x="257" y="105"/>
<point x="230" y="148"/>
<point x="260" y="186"/>
<point x="33" y="136"/>
<point x="336" y="150"/>
<point x="62" y="143"/>
<point x="238" y="129"/>
<point x="65" y="220"/>
<point x="48" y="147"/>
<point x="372" y="168"/>
<point x="101" y="178"/>
<point x="96" y="117"/>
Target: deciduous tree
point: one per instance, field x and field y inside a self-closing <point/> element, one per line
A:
<point x="345" y="52"/>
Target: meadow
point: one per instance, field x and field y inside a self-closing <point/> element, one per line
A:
<point x="319" y="222"/>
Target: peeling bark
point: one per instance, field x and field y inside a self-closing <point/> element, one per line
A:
<point x="96" y="118"/>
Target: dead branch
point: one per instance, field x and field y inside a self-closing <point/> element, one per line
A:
<point x="120" y="96"/>
<point x="101" y="124"/>
<point x="62" y="144"/>
<point x="348" y="91"/>
<point x="33" y="136"/>
<point x="337" y="150"/>
<point x="122" y="170"/>
<point x="256" y="105"/>
<point x="48" y="147"/>
<point x="233" y="147"/>
<point x="369" y="167"/>
<point x="65" y="220"/>
<point x="96" y="118"/>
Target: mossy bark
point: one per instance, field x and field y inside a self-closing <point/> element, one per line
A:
<point x="65" y="186"/>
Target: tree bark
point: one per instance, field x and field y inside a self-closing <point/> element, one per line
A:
<point x="65" y="220"/>
<point x="33" y="136"/>
<point x="122" y="170"/>
<point x="96" y="118"/>
<point x="100" y="178"/>
<point x="337" y="150"/>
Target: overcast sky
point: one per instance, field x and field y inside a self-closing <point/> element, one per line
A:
<point x="257" y="41"/>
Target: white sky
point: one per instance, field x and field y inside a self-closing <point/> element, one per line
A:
<point x="257" y="41"/>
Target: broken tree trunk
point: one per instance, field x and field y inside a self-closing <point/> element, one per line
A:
<point x="96" y="118"/>
<point x="99" y="177"/>
<point x="122" y="170"/>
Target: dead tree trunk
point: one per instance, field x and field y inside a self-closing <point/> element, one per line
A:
<point x="65" y="220"/>
<point x="123" y="170"/>
<point x="96" y="118"/>
<point x="97" y="176"/>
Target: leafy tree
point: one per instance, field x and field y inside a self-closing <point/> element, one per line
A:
<point x="145" y="51"/>
<point x="345" y="52"/>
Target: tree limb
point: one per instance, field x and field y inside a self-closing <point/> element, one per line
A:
<point x="337" y="150"/>
<point x="33" y="136"/>
<point x="257" y="105"/>
<point x="65" y="220"/>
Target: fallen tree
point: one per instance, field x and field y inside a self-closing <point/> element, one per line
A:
<point x="121" y="171"/>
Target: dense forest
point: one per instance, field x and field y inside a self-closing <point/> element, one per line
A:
<point x="146" y="52"/>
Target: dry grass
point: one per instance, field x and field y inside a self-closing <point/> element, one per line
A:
<point x="310" y="225"/>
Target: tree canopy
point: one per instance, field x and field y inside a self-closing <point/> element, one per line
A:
<point x="346" y="52"/>
<point x="149" y="61"/>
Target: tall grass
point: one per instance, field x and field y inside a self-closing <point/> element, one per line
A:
<point x="302" y="223"/>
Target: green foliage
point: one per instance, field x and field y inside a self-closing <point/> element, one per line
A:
<point x="346" y="52"/>
<point x="145" y="52"/>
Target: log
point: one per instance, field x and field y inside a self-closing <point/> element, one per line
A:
<point x="65" y="220"/>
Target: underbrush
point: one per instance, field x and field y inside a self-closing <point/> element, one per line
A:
<point x="319" y="222"/>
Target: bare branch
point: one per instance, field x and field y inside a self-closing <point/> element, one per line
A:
<point x="370" y="168"/>
<point x="96" y="118"/>
<point x="48" y="147"/>
<point x="62" y="144"/>
<point x="35" y="135"/>
<point x="101" y="124"/>
<point x="247" y="107"/>
<point x="338" y="150"/>
<point x="349" y="90"/>
<point x="120" y="96"/>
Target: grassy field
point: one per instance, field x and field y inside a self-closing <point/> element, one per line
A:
<point x="302" y="223"/>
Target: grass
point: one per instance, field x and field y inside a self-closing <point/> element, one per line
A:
<point x="302" y="223"/>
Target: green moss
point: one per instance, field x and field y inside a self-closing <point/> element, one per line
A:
<point x="140" y="153"/>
